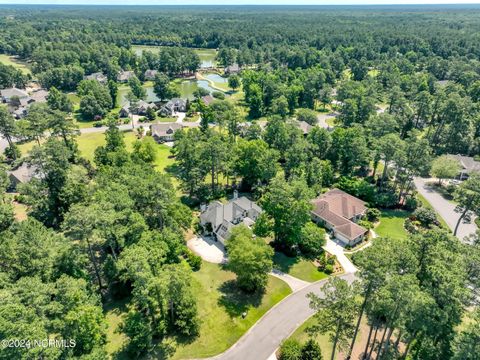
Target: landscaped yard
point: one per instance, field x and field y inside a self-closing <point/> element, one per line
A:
<point x="298" y="267"/>
<point x="12" y="61"/>
<point x="391" y="224"/>
<point x="323" y="340"/>
<point x="427" y="205"/>
<point x="220" y="308"/>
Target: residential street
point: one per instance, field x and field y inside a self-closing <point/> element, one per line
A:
<point x="276" y="325"/>
<point x="445" y="208"/>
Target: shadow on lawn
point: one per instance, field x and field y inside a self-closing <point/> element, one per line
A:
<point x="235" y="301"/>
<point x="283" y="262"/>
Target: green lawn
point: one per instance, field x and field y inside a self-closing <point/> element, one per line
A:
<point x="220" y="307"/>
<point x="323" y="340"/>
<point x="12" y="61"/>
<point x="300" y="268"/>
<point x="391" y="224"/>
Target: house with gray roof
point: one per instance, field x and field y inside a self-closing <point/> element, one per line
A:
<point x="98" y="76"/>
<point x="339" y="212"/>
<point x="124" y="76"/>
<point x="218" y="219"/>
<point x="164" y="132"/>
<point x="172" y="106"/>
<point x="7" y="94"/>
<point x="23" y="174"/>
<point x="468" y="165"/>
<point x="150" y="74"/>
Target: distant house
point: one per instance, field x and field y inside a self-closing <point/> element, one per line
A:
<point x="150" y="74"/>
<point x="232" y="69"/>
<point x="164" y="132"/>
<point x="468" y="165"/>
<point x="219" y="219"/>
<point x="208" y="99"/>
<point x="124" y="76"/>
<point x="21" y="175"/>
<point x="20" y="112"/>
<point x="304" y="126"/>
<point x="140" y="109"/>
<point x="339" y="212"/>
<point x="39" y="96"/>
<point x="98" y="76"/>
<point x="172" y="106"/>
<point x="7" y="94"/>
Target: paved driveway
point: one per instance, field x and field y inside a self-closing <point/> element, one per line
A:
<point x="335" y="247"/>
<point x="277" y="324"/>
<point x="445" y="208"/>
<point x="208" y="249"/>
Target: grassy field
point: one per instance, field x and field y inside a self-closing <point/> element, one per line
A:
<point x="298" y="267"/>
<point x="391" y="224"/>
<point x="12" y="61"/>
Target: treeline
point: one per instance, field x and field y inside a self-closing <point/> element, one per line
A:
<point x="94" y="234"/>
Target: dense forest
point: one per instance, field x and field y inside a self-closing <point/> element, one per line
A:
<point x="405" y="84"/>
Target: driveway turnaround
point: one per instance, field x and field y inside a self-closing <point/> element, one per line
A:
<point x="208" y="249"/>
<point x="263" y="338"/>
<point x="445" y="208"/>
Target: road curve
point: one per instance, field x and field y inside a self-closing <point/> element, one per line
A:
<point x="277" y="324"/>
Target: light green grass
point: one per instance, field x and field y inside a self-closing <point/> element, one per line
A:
<point x="164" y="158"/>
<point x="220" y="308"/>
<point x="13" y="61"/>
<point x="300" y="268"/>
<point x="392" y="224"/>
<point x="323" y="340"/>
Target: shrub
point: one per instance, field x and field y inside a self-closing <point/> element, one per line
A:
<point x="366" y="224"/>
<point x="385" y="199"/>
<point x="328" y="269"/>
<point x="322" y="262"/>
<point x="373" y="214"/>
<point x="331" y="260"/>
<point x="311" y="351"/>
<point x="193" y="260"/>
<point x="411" y="203"/>
<point x="98" y="124"/>
<point x="426" y="217"/>
<point x="290" y="350"/>
<point x="218" y="95"/>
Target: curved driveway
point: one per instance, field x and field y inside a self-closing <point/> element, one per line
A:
<point x="277" y="324"/>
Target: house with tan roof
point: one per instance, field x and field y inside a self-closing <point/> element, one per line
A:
<point x="339" y="212"/>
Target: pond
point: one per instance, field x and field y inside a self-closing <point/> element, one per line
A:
<point x="186" y="88"/>
<point x="207" y="56"/>
<point x="123" y="91"/>
<point x="217" y="78"/>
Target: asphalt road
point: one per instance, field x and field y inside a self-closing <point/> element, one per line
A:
<point x="277" y="324"/>
<point x="445" y="208"/>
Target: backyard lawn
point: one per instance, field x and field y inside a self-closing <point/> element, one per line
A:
<point x="300" y="268"/>
<point x="220" y="308"/>
<point x="12" y="61"/>
<point x="391" y="224"/>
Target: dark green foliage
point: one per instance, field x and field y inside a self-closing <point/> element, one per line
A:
<point x="290" y="350"/>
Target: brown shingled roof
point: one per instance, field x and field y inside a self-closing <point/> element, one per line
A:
<point x="336" y="207"/>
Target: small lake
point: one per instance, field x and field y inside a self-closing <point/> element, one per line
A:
<point x="217" y="78"/>
<point x="186" y="88"/>
<point x="207" y="56"/>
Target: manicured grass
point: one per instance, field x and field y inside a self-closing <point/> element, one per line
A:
<point x="298" y="267"/>
<point x="391" y="224"/>
<point x="164" y="158"/>
<point x="220" y="307"/>
<point x="13" y="61"/>
<point x="323" y="340"/>
<point x="114" y="316"/>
